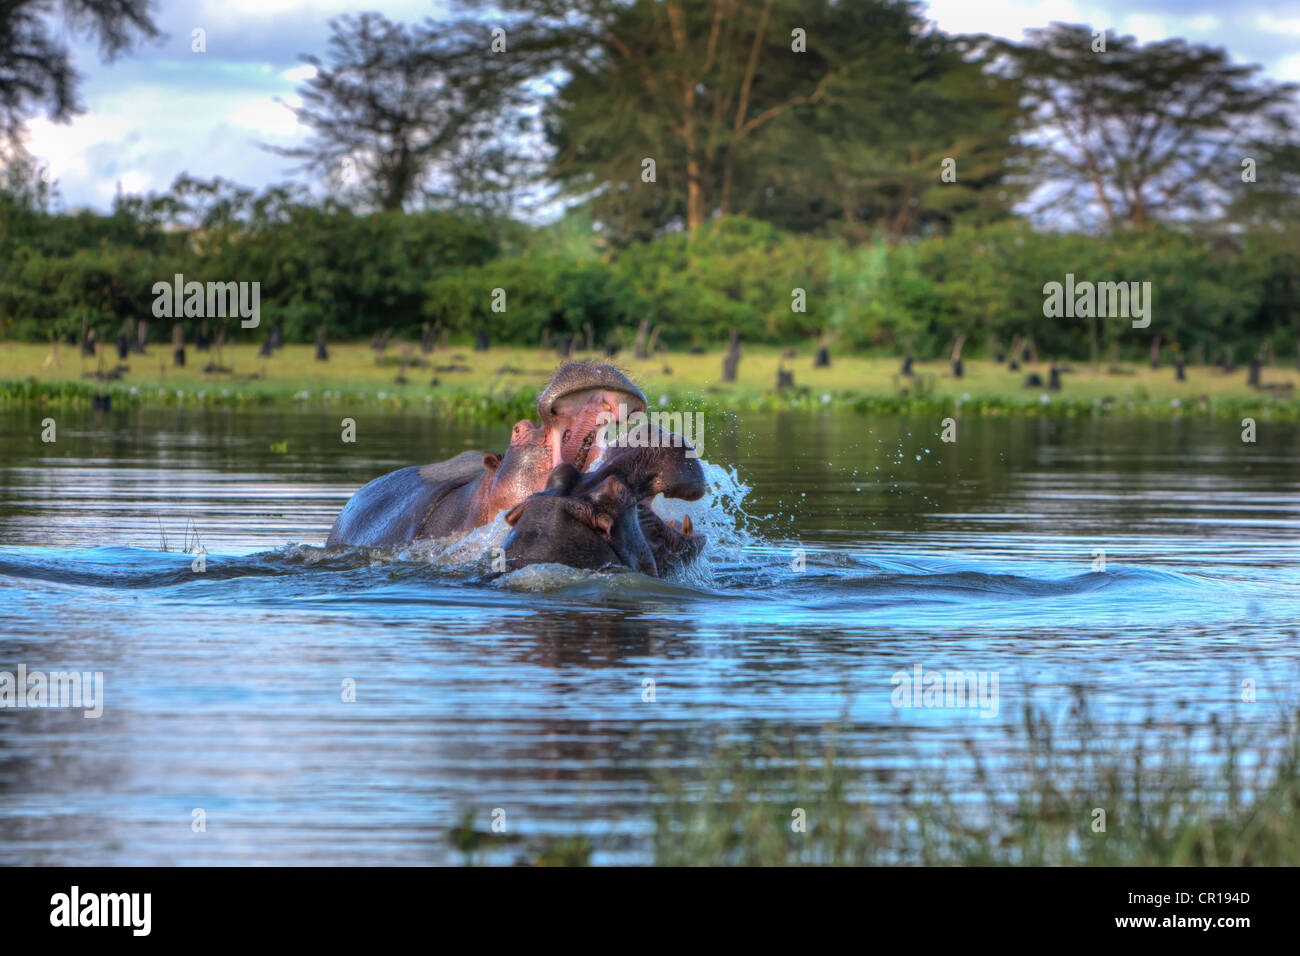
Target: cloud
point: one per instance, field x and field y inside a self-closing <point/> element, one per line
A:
<point x="300" y="74"/>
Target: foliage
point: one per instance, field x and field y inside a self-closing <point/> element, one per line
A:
<point x="359" y="275"/>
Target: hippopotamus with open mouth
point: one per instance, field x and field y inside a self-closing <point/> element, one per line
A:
<point x="604" y="518"/>
<point x="559" y="462"/>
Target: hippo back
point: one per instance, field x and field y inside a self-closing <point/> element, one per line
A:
<point x="389" y="511"/>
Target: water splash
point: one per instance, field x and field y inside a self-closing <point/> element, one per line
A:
<point x="720" y="514"/>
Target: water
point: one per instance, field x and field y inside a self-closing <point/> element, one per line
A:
<point x="846" y="549"/>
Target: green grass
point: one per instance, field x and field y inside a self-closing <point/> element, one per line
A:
<point x="1228" y="795"/>
<point x="502" y="382"/>
<point x="1163" y="806"/>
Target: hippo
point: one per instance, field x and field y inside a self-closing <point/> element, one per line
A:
<point x="603" y="519"/>
<point x="468" y="491"/>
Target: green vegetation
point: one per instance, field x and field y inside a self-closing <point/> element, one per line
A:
<point x="1165" y="803"/>
<point x="502" y="384"/>
<point x="862" y="182"/>
<point x="361" y="275"/>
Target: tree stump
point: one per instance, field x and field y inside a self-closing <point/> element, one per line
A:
<point x="642" y="331"/>
<point x="731" y="360"/>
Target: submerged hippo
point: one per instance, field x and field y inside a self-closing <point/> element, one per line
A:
<point x="468" y="491"/>
<point x="604" y="518"/>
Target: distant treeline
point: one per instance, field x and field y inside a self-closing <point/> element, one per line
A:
<point x="360" y="275"/>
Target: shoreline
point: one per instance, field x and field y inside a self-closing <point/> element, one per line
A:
<point x="502" y="383"/>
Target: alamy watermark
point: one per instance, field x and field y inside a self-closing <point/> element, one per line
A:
<point x="56" y="689"/>
<point x="974" y="690"/>
<point x="1100" y="300"/>
<point x="655" y="430"/>
<point x="179" y="299"/>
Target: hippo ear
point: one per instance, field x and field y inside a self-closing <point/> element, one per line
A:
<point x="583" y="511"/>
<point x="562" y="479"/>
<point x="517" y="512"/>
<point x="610" y="493"/>
<point x="491" y="462"/>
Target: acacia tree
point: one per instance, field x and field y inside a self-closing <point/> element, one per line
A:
<point x="691" y="85"/>
<point x="35" y="65"/>
<point x="389" y="101"/>
<point x="1138" y="132"/>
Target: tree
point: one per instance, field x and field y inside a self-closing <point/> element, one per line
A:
<point x="1138" y="132"/>
<point x="393" y="100"/>
<point x="1266" y="184"/>
<point x="35" y="66"/>
<point x="772" y="108"/>
<point x="689" y="85"/>
<point x="913" y="135"/>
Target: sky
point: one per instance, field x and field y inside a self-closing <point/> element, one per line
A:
<point x="164" y="109"/>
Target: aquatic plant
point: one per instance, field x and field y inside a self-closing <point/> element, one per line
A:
<point x="1063" y="794"/>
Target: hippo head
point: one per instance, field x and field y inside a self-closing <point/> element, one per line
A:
<point x="579" y="525"/>
<point x="574" y="408"/>
<point x="522" y="470"/>
<point x="581" y="400"/>
<point x="604" y="518"/>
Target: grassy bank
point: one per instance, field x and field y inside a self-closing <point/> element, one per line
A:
<point x="501" y="383"/>
<point x="1061" y="792"/>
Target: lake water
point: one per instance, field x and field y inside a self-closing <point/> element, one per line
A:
<point x="844" y="550"/>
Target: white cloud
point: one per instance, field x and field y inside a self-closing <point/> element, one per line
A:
<point x="1003" y="18"/>
<point x="144" y="135"/>
<point x="266" y="116"/>
<point x="1288" y="68"/>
